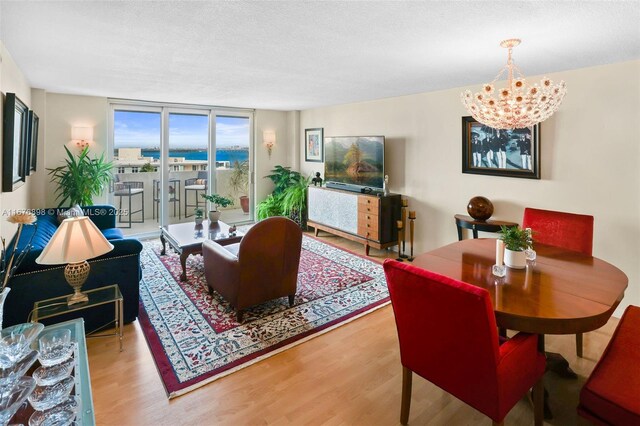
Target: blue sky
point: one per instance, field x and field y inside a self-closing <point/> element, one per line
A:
<point x="142" y="130"/>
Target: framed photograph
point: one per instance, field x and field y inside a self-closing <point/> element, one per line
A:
<point x="313" y="145"/>
<point x="14" y="143"/>
<point x="510" y="153"/>
<point x="32" y="145"/>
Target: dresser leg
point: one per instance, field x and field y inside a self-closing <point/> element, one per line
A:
<point x="366" y="249"/>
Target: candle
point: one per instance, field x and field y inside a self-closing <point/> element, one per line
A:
<point x="412" y="214"/>
<point x="400" y="224"/>
<point x="499" y="252"/>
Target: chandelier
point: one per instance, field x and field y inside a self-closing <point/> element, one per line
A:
<point x="518" y="105"/>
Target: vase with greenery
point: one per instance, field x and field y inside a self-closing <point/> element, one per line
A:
<point x="516" y="241"/>
<point x="81" y="178"/>
<point x="216" y="201"/>
<point x="239" y="183"/>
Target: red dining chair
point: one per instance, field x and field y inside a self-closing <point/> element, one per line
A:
<point x="567" y="230"/>
<point x="447" y="334"/>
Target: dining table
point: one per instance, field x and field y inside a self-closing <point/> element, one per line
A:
<point x="560" y="292"/>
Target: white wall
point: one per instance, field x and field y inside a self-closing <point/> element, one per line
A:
<point x="590" y="157"/>
<point x="12" y="81"/>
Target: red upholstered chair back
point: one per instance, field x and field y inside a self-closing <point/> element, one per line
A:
<point x="447" y="333"/>
<point x="567" y="230"/>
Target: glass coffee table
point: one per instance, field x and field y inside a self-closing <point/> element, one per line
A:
<point x="186" y="239"/>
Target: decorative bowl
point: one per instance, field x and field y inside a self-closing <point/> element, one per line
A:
<point x="55" y="347"/>
<point x="46" y="376"/>
<point x="10" y="403"/>
<point x="62" y="414"/>
<point x="45" y="397"/>
<point x="9" y="376"/>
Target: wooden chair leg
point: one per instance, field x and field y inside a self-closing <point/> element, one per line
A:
<point x="406" y="395"/>
<point x="538" y="403"/>
<point x="579" y="345"/>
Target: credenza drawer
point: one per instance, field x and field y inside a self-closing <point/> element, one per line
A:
<point x="370" y="204"/>
<point x="369" y="232"/>
<point x="372" y="218"/>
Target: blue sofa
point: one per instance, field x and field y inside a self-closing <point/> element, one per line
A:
<point x="33" y="282"/>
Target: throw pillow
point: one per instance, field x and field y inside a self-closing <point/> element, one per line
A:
<point x="201" y="181"/>
<point x="74" y="211"/>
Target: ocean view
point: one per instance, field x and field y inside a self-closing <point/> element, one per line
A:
<point x="221" y="154"/>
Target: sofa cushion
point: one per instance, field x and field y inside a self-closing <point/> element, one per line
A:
<point x="611" y="394"/>
<point x="113" y="233"/>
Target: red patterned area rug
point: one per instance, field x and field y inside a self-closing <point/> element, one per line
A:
<point x="195" y="339"/>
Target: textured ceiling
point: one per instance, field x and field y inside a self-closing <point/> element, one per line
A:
<point x="301" y="54"/>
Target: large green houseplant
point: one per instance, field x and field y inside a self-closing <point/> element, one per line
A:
<point x="81" y="178"/>
<point x="289" y="197"/>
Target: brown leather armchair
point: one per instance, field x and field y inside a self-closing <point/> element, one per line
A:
<point x="262" y="267"/>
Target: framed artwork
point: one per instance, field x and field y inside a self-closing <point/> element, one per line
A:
<point x="313" y="145"/>
<point x="32" y="146"/>
<point x="510" y="153"/>
<point x="14" y="142"/>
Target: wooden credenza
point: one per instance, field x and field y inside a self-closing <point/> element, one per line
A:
<point x="365" y="218"/>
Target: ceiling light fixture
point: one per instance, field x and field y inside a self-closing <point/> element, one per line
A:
<point x="518" y="105"/>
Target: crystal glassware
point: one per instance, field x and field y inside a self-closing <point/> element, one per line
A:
<point x="29" y="330"/>
<point x="499" y="270"/>
<point x="530" y="254"/>
<point x="62" y="414"/>
<point x="12" y="349"/>
<point x="55" y="347"/>
<point x="45" y="397"/>
<point x="45" y="376"/>
<point x="10" y="402"/>
<point x="10" y="375"/>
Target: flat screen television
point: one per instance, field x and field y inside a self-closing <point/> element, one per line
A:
<point x="355" y="163"/>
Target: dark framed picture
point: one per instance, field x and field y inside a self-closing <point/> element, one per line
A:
<point x="510" y="153"/>
<point x="14" y="142"/>
<point x="32" y="146"/>
<point x="313" y="145"/>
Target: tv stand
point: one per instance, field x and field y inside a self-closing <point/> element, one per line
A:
<point x="369" y="219"/>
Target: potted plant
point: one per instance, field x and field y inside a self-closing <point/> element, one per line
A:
<point x="239" y="183"/>
<point x="81" y="178"/>
<point x="216" y="201"/>
<point x="199" y="215"/>
<point x="516" y="241"/>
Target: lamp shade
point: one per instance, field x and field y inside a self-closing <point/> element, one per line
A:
<point x="82" y="133"/>
<point x="269" y="137"/>
<point x="76" y="239"/>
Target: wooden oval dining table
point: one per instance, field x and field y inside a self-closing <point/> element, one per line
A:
<point x="561" y="292"/>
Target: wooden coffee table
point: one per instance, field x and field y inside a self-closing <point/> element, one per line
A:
<point x="186" y="239"/>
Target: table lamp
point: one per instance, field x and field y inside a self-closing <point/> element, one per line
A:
<point x="76" y="240"/>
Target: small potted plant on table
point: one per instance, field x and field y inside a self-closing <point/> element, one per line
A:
<point x="516" y="241"/>
<point x="199" y="215"/>
<point x="216" y="201"/>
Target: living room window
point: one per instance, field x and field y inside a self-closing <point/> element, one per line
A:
<point x="166" y="149"/>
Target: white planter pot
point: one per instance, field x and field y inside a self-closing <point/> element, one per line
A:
<point x="214" y="216"/>
<point x="515" y="259"/>
<point x="198" y="220"/>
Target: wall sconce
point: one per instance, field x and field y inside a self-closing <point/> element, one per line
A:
<point x="269" y="140"/>
<point x="82" y="136"/>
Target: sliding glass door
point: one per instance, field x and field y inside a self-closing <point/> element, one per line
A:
<point x="163" y="164"/>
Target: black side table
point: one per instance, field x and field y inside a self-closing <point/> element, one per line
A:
<point x="488" y="225"/>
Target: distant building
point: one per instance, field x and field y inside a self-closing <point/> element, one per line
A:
<point x="130" y="160"/>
